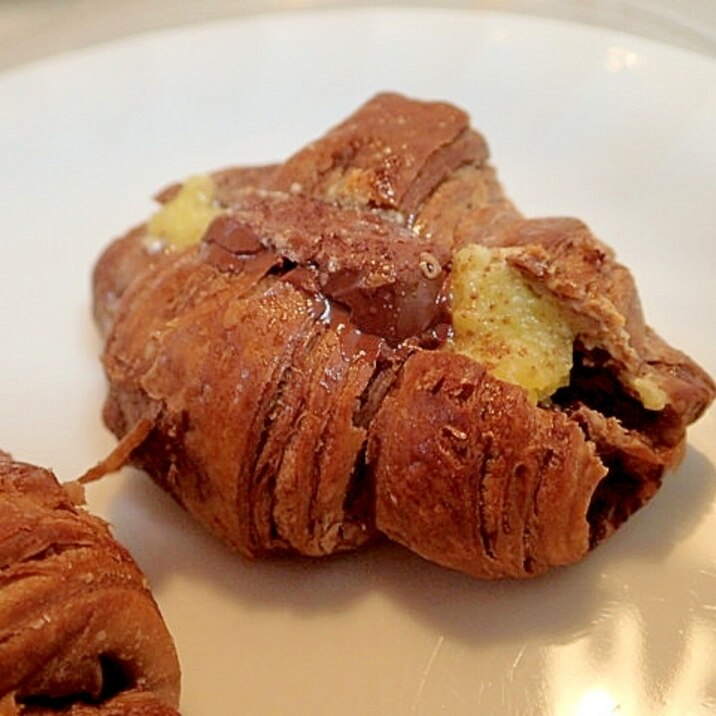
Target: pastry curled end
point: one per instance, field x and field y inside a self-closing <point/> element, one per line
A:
<point x="79" y="630"/>
<point x="471" y="475"/>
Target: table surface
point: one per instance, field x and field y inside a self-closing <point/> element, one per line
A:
<point x="32" y="29"/>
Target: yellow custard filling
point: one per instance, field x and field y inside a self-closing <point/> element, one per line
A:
<point x="182" y="221"/>
<point x="652" y="396"/>
<point x="498" y="320"/>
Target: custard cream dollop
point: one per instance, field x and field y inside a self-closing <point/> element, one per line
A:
<point x="182" y="221"/>
<point x="520" y="336"/>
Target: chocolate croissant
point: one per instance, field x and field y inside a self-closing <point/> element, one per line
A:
<point x="369" y="338"/>
<point x="79" y="630"/>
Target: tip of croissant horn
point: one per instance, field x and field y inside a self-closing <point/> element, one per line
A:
<point x="121" y="453"/>
<point x="75" y="492"/>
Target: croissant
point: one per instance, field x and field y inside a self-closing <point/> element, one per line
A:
<point x="370" y="339"/>
<point x="79" y="630"/>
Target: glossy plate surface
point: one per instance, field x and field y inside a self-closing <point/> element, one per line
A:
<point x="615" y="130"/>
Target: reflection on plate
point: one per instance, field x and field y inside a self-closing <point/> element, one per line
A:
<point x="612" y="129"/>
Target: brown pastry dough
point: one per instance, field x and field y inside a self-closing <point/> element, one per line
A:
<point x="79" y="630"/>
<point x="293" y="371"/>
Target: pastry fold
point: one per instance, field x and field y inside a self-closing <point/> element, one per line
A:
<point x="298" y="369"/>
<point x="79" y="630"/>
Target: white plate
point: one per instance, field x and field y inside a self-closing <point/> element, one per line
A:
<point x="607" y="127"/>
